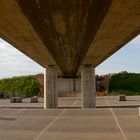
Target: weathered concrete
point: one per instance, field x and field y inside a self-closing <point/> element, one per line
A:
<point x="45" y="93"/>
<point x="120" y="25"/>
<point x="88" y="89"/>
<point x="50" y="98"/>
<point x="69" y="124"/>
<point x="67" y="27"/>
<point x="122" y="97"/>
<point x="34" y="99"/>
<point x="66" y="102"/>
<point x="15" y="100"/>
<point x="67" y="85"/>
<point x="69" y="33"/>
<point x="78" y="84"/>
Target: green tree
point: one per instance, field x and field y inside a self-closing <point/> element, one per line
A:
<point x="26" y="86"/>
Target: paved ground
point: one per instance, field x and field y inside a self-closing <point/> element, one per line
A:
<point x="110" y="101"/>
<point x="71" y="123"/>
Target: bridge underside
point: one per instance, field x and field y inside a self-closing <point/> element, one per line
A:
<point x="69" y="34"/>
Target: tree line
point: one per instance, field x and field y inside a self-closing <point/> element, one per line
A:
<point x="125" y="83"/>
<point x="25" y="86"/>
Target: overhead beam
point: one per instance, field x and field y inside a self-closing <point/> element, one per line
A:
<point x="67" y="27"/>
<point x="17" y="30"/>
<point x="121" y="25"/>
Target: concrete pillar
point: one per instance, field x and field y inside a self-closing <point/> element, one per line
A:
<point x="50" y="87"/>
<point x="74" y="85"/>
<point x="45" y="97"/>
<point x="88" y="89"/>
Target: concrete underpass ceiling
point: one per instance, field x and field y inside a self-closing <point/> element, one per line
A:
<point x="66" y="28"/>
<point x="69" y="33"/>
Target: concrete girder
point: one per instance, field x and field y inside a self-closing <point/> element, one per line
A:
<point x="69" y="33"/>
<point x="17" y="30"/>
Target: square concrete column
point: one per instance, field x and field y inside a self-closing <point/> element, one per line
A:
<point x="50" y="87"/>
<point x="88" y="89"/>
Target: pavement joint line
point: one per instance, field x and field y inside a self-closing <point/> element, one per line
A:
<point x="116" y="120"/>
<point x="52" y="122"/>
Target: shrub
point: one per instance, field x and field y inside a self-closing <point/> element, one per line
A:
<point x="26" y="86"/>
<point x="125" y="83"/>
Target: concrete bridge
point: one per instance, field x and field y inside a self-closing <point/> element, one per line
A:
<point x="67" y="37"/>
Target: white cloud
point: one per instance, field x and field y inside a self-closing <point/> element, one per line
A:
<point x="13" y="62"/>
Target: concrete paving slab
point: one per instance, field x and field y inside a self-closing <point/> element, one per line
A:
<point x="71" y="124"/>
<point x="75" y="124"/>
<point x="25" y="126"/>
<point x="40" y="113"/>
<point x="133" y="136"/>
<point x="66" y="102"/>
<point x="130" y="124"/>
<point x="126" y="112"/>
<point x="16" y="135"/>
<point x="81" y="136"/>
<point x="86" y="125"/>
<point x="87" y="112"/>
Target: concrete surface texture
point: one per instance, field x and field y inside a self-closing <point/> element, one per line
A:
<point x="68" y="85"/>
<point x="51" y="87"/>
<point x="88" y="88"/>
<point x="69" y="34"/>
<point x="65" y="102"/>
<point x="70" y="124"/>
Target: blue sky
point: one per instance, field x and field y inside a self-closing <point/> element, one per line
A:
<point x="125" y="59"/>
<point x="15" y="63"/>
